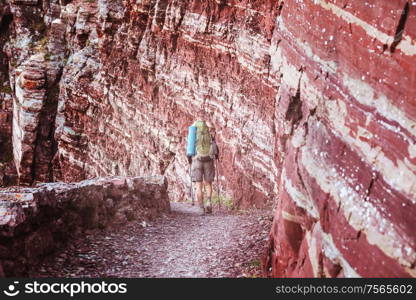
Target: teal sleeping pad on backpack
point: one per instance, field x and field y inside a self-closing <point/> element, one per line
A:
<point x="190" y="148"/>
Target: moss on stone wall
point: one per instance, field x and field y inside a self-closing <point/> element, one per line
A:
<point x="6" y="89"/>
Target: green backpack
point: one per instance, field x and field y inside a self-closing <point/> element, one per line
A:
<point x="203" y="139"/>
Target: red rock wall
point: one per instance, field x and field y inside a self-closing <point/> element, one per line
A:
<point x="7" y="169"/>
<point x="313" y="102"/>
<point x="31" y="62"/>
<point x="347" y="102"/>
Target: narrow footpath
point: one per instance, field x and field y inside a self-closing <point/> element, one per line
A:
<point x="178" y="244"/>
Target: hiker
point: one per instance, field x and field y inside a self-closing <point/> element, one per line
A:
<point x="201" y="157"/>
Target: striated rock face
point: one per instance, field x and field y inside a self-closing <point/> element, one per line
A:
<point x="31" y="61"/>
<point x="36" y="221"/>
<point x="140" y="70"/>
<point x="7" y="169"/>
<point x="346" y="122"/>
<point x="312" y="100"/>
<point x="30" y="94"/>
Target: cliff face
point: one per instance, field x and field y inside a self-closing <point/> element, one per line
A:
<point x="139" y="72"/>
<point x="312" y="101"/>
<point x="346" y="122"/>
<point x="7" y="170"/>
<point x="31" y="64"/>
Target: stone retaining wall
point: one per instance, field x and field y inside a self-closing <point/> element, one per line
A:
<point x="36" y="221"/>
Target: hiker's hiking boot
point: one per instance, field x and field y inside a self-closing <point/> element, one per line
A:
<point x="201" y="211"/>
<point x="208" y="209"/>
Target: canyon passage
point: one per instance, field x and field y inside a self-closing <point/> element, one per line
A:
<point x="313" y="103"/>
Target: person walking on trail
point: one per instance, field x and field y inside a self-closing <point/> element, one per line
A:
<point x="202" y="163"/>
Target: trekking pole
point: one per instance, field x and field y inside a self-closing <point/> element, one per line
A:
<point x="218" y="186"/>
<point x="192" y="192"/>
